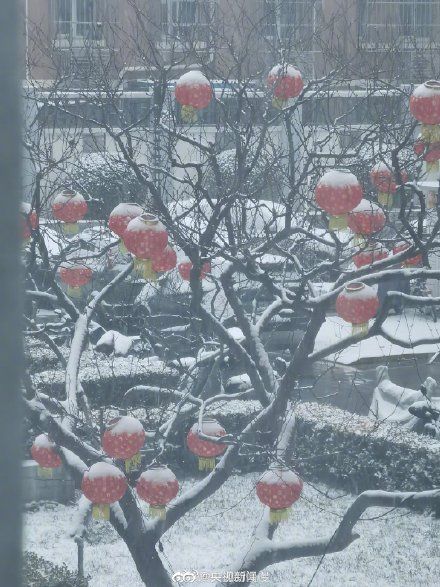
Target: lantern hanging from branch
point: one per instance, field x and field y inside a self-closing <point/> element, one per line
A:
<point x="206" y="450"/>
<point x="366" y="219"/>
<point x="146" y="238"/>
<point x="285" y="82"/>
<point x="357" y="304"/>
<point x="193" y="92"/>
<point x="103" y="484"/>
<point x="69" y="207"/>
<point x="157" y="486"/>
<point x="164" y="261"/>
<point x="75" y="275"/>
<point x="383" y="179"/>
<point x="123" y="439"/>
<point x="28" y="221"/>
<point x="415" y="261"/>
<point x="185" y="268"/>
<point x="424" y="105"/>
<point x="369" y="255"/>
<point x="44" y="453"/>
<point x="278" y="489"/>
<point x="119" y="218"/>
<point x="337" y="193"/>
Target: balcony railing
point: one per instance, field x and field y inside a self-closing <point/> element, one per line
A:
<point x="70" y="33"/>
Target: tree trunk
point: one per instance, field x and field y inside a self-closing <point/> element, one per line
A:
<point x="149" y="564"/>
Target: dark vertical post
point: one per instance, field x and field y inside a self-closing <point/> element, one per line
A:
<point x="10" y="320"/>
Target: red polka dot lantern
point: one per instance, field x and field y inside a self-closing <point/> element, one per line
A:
<point x="193" y="92"/>
<point x="75" y="276"/>
<point x="123" y="439"/>
<point x="120" y="217"/>
<point x="103" y="484"/>
<point x="185" y="268"/>
<point x="366" y="219"/>
<point x="44" y="453"/>
<point x="337" y="193"/>
<point x="157" y="486"/>
<point x="430" y="152"/>
<point x="28" y="221"/>
<point x="286" y="83"/>
<point x="369" y="255"/>
<point x="415" y="261"/>
<point x="69" y="207"/>
<point x="206" y="450"/>
<point x="424" y="105"/>
<point x="357" y="304"/>
<point x="383" y="178"/>
<point x="279" y="488"/>
<point x="146" y="238"/>
<point x="166" y="260"/>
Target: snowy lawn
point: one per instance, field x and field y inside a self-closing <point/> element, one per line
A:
<point x="398" y="548"/>
<point x="408" y="326"/>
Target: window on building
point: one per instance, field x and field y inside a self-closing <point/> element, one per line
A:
<point x="78" y="19"/>
<point x="289" y="20"/>
<point x="186" y="19"/>
<point x="386" y="21"/>
<point x="93" y="143"/>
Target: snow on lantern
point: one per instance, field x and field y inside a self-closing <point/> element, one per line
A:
<point x="424" y="105"/>
<point x="206" y="450"/>
<point x="123" y="439"/>
<point x="157" y="486"/>
<point x="166" y="260"/>
<point x="29" y="221"/>
<point x="146" y="238"/>
<point x="69" y="207"/>
<point x="412" y="261"/>
<point x="193" y="92"/>
<point x="120" y="217"/>
<point x="366" y="219"/>
<point x="279" y="488"/>
<point x="383" y="179"/>
<point x="185" y="268"/>
<point x="44" y="453"/>
<point x="75" y="276"/>
<point x="357" y="304"/>
<point x="286" y="83"/>
<point x="337" y="193"/>
<point x="103" y="484"/>
<point x="370" y="255"/>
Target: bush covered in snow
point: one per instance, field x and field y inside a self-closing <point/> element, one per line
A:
<point x="37" y="572"/>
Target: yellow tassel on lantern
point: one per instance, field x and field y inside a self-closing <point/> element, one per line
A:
<point x="277" y="516"/>
<point x="74" y="292"/>
<point x="337" y="222"/>
<point x="432" y="167"/>
<point x="134" y="463"/>
<point x="206" y="463"/>
<point x="158" y="511"/>
<point x="430" y="133"/>
<point x="359" y="328"/>
<point x="101" y="511"/>
<point x="279" y="103"/>
<point x="189" y="114"/>
<point x="44" y="473"/>
<point x="144" y="268"/>
<point x="385" y="200"/>
<point x="69" y="228"/>
<point x="359" y="240"/>
<point x="122" y="248"/>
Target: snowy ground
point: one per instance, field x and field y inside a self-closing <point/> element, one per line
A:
<point x="407" y="326"/>
<point x="396" y="549"/>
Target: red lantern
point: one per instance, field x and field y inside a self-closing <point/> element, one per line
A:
<point x="121" y="216"/>
<point x="123" y="439"/>
<point x="69" y="207"/>
<point x="383" y="178"/>
<point x="286" y="82"/>
<point x="430" y="152"/>
<point x="337" y="193"/>
<point x="424" y="103"/>
<point x="279" y="488"/>
<point x="412" y="261"/>
<point x="185" y="267"/>
<point x="205" y="449"/>
<point x="44" y="453"/>
<point x="157" y="486"/>
<point x="357" y="304"/>
<point x="145" y="237"/>
<point x="370" y="255"/>
<point x="193" y="92"/>
<point x="75" y="276"/>
<point x="165" y="260"/>
<point x="29" y="221"/>
<point x="103" y="484"/>
<point x="367" y="218"/>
